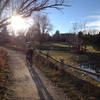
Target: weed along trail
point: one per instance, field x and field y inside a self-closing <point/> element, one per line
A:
<point x="28" y="83"/>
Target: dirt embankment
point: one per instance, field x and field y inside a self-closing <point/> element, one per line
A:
<point x="5" y="76"/>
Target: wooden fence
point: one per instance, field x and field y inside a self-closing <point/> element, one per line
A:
<point x="67" y="65"/>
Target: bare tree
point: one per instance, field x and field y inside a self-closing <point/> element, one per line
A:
<point x="75" y="27"/>
<point x="79" y="26"/>
<point x="42" y="23"/>
<point x="80" y="29"/>
<point x="40" y="29"/>
<point x="3" y="5"/>
<point x="26" y="7"/>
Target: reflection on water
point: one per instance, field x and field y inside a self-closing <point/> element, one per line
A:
<point x="91" y="68"/>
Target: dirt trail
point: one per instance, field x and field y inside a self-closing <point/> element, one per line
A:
<point x="23" y="85"/>
<point x="29" y="83"/>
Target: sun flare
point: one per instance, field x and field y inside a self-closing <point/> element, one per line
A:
<point x="19" y="24"/>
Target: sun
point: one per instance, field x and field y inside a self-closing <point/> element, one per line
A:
<point x="19" y="24"/>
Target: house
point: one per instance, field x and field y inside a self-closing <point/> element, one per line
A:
<point x="66" y="37"/>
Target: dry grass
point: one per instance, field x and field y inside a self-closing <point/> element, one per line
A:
<point x="92" y="50"/>
<point x="3" y="57"/>
<point x="5" y="76"/>
<point x="75" y="59"/>
<point x="74" y="87"/>
<point x="69" y="58"/>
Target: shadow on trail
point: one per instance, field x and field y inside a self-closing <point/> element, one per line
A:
<point x="43" y="92"/>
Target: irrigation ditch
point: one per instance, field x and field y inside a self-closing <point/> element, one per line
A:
<point x="74" y="82"/>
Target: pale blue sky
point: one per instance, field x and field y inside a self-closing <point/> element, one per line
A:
<point x="80" y="11"/>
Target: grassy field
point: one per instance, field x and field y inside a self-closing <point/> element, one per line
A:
<point x="75" y="59"/>
<point x="72" y="58"/>
<point x="62" y="44"/>
<point x="92" y="50"/>
<point x="58" y="44"/>
<point x="69" y="58"/>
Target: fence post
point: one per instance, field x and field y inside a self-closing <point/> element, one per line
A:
<point x="62" y="69"/>
<point x="47" y="55"/>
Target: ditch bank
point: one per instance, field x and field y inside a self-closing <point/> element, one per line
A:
<point x="71" y="82"/>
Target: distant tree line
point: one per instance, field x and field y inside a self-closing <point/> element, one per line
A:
<point x="90" y="39"/>
<point x="83" y="39"/>
<point x="46" y="37"/>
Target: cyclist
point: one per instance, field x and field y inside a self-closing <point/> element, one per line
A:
<point x="29" y="56"/>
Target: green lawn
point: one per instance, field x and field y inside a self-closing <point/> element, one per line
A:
<point x="62" y="44"/>
<point x="92" y="50"/>
<point x="59" y="44"/>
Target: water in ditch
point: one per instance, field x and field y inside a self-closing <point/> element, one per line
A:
<point x="91" y="68"/>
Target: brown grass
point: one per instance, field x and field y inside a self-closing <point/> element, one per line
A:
<point x="74" y="87"/>
<point x="5" y="77"/>
<point x="3" y="57"/>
